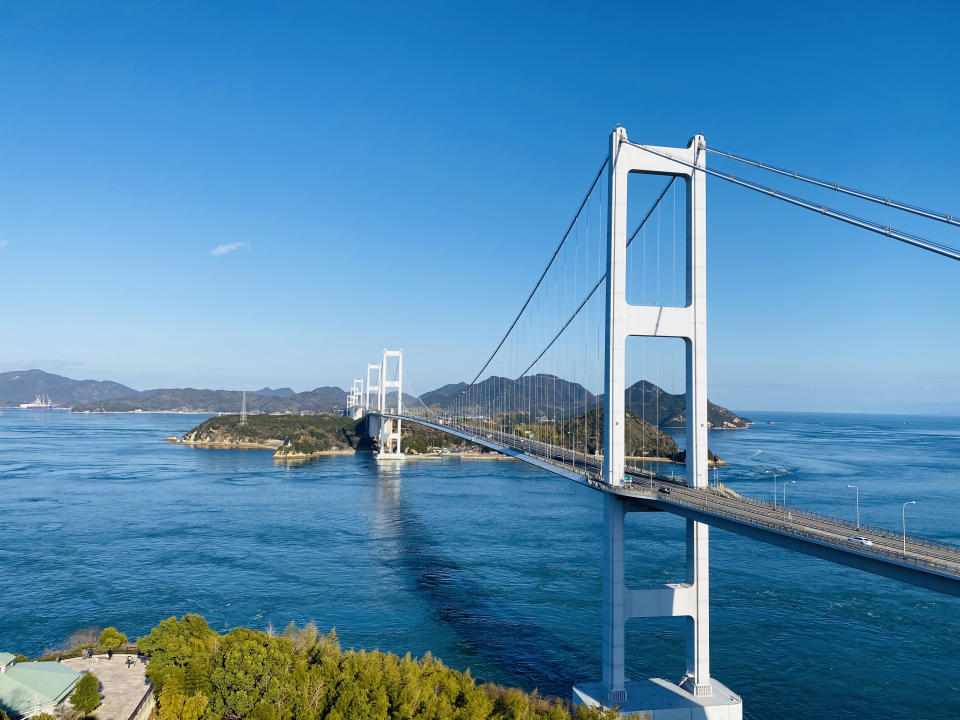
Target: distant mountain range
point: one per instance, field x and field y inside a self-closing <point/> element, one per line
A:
<point x="540" y="396"/>
<point x="322" y="399"/>
<point x="550" y="397"/>
<point x="658" y="407"/>
<point x="94" y="395"/>
<point x="24" y="385"/>
<point x="270" y="392"/>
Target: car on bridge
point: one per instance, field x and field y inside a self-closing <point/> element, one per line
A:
<point x="860" y="540"/>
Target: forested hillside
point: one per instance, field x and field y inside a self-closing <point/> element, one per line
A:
<point x="303" y="674"/>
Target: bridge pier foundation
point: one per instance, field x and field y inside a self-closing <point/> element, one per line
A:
<point x="659" y="699"/>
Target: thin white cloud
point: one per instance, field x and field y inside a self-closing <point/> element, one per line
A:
<point x="229" y="248"/>
<point x="4" y="244"/>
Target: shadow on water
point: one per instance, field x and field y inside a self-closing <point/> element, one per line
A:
<point x="525" y="652"/>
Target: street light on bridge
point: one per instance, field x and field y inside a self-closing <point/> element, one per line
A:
<point x="785" y="483"/>
<point x="903" y="513"/>
<point x="858" y="503"/>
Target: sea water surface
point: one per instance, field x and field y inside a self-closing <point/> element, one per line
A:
<point x="490" y="565"/>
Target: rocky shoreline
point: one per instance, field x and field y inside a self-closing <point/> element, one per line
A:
<point x="226" y="444"/>
<point x="282" y="450"/>
<point x="283" y="456"/>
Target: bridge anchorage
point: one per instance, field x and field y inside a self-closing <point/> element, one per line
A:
<point x="529" y="417"/>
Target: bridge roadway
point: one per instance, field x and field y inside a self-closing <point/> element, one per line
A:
<point x="924" y="563"/>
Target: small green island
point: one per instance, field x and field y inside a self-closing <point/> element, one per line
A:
<point x="301" y="437"/>
<point x="289" y="436"/>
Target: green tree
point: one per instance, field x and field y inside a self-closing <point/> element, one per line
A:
<point x="180" y="651"/>
<point x="304" y="675"/>
<point x="3" y="715"/>
<point x="251" y="668"/>
<point x="263" y="711"/>
<point x="86" y="697"/>
<point x="111" y="639"/>
<point x="174" y="705"/>
<point x="43" y="716"/>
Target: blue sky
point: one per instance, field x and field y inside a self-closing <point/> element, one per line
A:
<point x="397" y="175"/>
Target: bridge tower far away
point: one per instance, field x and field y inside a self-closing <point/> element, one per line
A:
<point x="390" y="428"/>
<point x="697" y="695"/>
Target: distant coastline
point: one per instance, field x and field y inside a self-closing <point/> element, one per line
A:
<point x="554" y="397"/>
<point x="137" y="412"/>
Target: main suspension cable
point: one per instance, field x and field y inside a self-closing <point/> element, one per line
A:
<point x="904" y="237"/>
<point x="603" y="277"/>
<point x="556" y="252"/>
<point x="879" y="199"/>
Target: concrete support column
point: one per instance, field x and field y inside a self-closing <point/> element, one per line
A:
<point x="698" y="627"/>
<point x="616" y="326"/>
<point x="614" y="597"/>
<point x="698" y="552"/>
<point x="696" y="335"/>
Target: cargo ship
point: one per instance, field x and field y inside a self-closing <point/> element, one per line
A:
<point x="41" y="402"/>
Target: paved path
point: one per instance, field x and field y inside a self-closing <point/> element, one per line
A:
<point x="123" y="687"/>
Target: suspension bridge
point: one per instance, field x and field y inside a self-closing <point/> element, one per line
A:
<point x="605" y="288"/>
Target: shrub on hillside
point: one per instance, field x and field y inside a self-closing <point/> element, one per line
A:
<point x="86" y="697"/>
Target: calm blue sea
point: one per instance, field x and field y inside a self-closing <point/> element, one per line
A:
<point x="489" y="565"/>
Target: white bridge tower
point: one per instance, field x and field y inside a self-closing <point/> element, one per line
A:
<point x="390" y="429"/>
<point x="696" y="695"/>
<point x="355" y="404"/>
<point x="373" y="369"/>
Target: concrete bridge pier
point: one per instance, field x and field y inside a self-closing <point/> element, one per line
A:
<point x="697" y="695"/>
<point x="372" y="424"/>
<point x="390" y="440"/>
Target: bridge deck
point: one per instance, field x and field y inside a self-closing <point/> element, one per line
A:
<point x="928" y="564"/>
